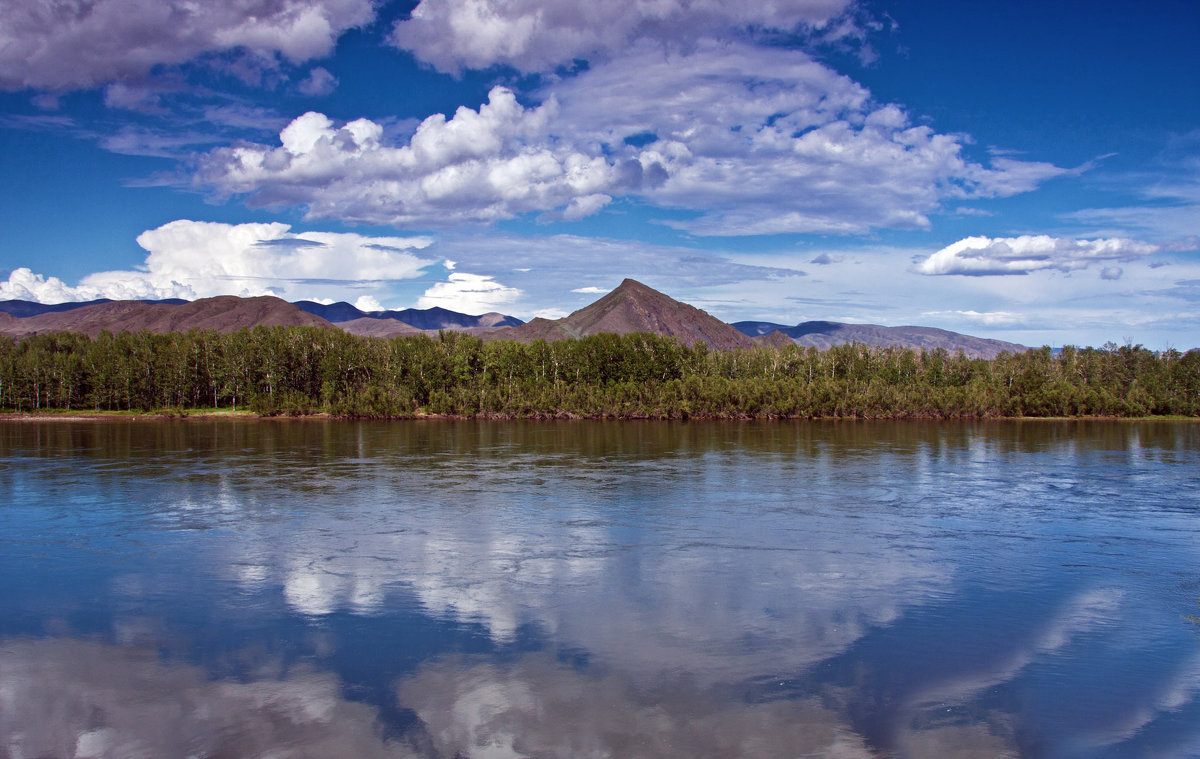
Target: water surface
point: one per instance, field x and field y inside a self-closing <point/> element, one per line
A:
<point x="441" y="589"/>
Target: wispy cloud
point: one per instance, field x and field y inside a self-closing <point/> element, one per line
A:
<point x="984" y="256"/>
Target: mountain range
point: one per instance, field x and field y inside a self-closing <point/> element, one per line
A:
<point x="631" y="307"/>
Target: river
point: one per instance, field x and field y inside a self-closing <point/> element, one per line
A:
<point x="584" y="589"/>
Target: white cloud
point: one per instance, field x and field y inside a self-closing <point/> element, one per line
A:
<point x="477" y="166"/>
<point x="755" y="140"/>
<point x="369" y="304"/>
<point x="319" y="82"/>
<point x="535" y="35"/>
<point x="70" y="45"/>
<point x="590" y="290"/>
<point x="988" y="318"/>
<point x="469" y="293"/>
<point x="983" y="256"/>
<point x="581" y="207"/>
<point x="24" y="284"/>
<point x="192" y="259"/>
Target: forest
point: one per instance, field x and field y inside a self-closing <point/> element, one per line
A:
<point x="308" y="370"/>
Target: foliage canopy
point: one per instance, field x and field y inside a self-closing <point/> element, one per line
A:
<point x="300" y="370"/>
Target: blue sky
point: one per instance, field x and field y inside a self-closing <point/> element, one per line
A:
<point x="1020" y="170"/>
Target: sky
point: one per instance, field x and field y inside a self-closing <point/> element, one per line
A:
<point x="1028" y="171"/>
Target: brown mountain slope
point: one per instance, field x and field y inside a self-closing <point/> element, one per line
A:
<point x="823" y="337"/>
<point x="225" y="313"/>
<point x="633" y="307"/>
<point x="368" y="326"/>
<point x="774" y="339"/>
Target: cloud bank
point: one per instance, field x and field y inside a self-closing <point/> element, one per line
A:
<point x="751" y="140"/>
<point x="533" y="35"/>
<point x="68" y="44"/>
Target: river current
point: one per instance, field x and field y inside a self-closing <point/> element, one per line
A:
<point x="218" y="588"/>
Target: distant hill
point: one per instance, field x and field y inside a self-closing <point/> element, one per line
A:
<point x="331" y="312"/>
<point x="773" y="339"/>
<point x="440" y="318"/>
<point x="422" y="318"/>
<point x="368" y="326"/>
<point x="26" y="308"/>
<point x="225" y="313"/>
<point x="822" y="335"/>
<point x="633" y="307"/>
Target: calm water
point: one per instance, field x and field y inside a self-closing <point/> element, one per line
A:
<point x="294" y="589"/>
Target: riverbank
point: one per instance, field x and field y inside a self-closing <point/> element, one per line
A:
<point x="322" y="416"/>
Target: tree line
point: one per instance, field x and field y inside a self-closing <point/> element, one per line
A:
<point x="303" y="370"/>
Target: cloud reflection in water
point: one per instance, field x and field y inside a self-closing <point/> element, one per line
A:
<point x="70" y="698"/>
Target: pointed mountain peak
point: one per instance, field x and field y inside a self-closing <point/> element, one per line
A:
<point x="632" y="286"/>
<point x="635" y="307"/>
<point x="632" y="291"/>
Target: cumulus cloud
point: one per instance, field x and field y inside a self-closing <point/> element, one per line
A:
<point x="369" y="304"/>
<point x="590" y="290"/>
<point x="754" y="140"/>
<point x="477" y="166"/>
<point x="64" y="697"/>
<point x="535" y="35"/>
<point x="70" y="45"/>
<point x="192" y="259"/>
<point x="469" y="293"/>
<point x="985" y="256"/>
